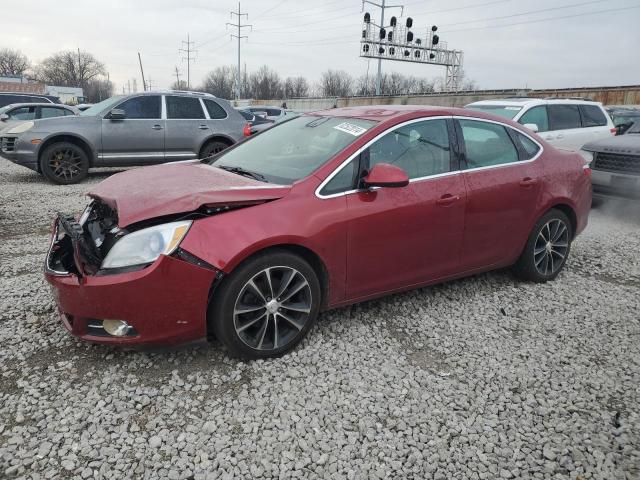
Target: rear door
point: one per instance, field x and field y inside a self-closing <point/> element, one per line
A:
<point x="565" y="127"/>
<point x="137" y="139"/>
<point x="187" y="127"/>
<point x="595" y="123"/>
<point x="503" y="183"/>
<point x="399" y="237"/>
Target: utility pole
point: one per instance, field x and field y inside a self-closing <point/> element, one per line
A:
<point x="177" y="78"/>
<point x="382" y="8"/>
<point x="239" y="26"/>
<point x="79" y="69"/>
<point x="188" y="50"/>
<point x="144" y="84"/>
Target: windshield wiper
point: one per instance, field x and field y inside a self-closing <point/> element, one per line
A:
<point x="244" y="172"/>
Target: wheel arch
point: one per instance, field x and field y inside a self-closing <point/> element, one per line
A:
<point x="71" y="138"/>
<point x="218" y="137"/>
<point x="569" y="211"/>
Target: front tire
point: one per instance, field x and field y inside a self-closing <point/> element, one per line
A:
<point x="266" y="306"/>
<point x="547" y="248"/>
<point x="64" y="163"/>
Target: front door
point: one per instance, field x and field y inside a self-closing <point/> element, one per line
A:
<point x="136" y="139"/>
<point x="503" y="183"/>
<point x="399" y="237"/>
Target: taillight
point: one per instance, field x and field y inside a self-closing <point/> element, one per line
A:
<point x="614" y="130"/>
<point x="246" y="131"/>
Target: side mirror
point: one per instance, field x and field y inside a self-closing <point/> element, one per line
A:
<point x="532" y="126"/>
<point x="386" y="175"/>
<point x="4" y="117"/>
<point x="117" y="114"/>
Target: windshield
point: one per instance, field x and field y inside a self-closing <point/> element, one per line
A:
<point x="506" y="111"/>
<point x="294" y="148"/>
<point x="103" y="105"/>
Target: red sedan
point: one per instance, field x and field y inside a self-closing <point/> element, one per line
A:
<point x="324" y="210"/>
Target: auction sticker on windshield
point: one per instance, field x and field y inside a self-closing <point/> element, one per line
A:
<point x="354" y="130"/>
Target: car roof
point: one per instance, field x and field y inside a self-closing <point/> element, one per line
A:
<point x="381" y="113"/>
<point x="528" y="101"/>
<point x="39" y="104"/>
<point x="173" y="92"/>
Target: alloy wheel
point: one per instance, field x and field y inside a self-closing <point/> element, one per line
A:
<point x="551" y="247"/>
<point x="272" y="308"/>
<point x="65" y="163"/>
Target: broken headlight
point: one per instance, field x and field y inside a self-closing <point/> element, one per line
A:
<point x="146" y="245"/>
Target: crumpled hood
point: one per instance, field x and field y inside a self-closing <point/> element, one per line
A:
<point x="628" y="144"/>
<point x="149" y="192"/>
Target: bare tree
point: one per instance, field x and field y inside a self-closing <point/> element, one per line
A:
<point x="336" y="83"/>
<point x="265" y="84"/>
<point x="181" y="85"/>
<point x="70" y="69"/>
<point x="220" y="82"/>
<point x="97" y="89"/>
<point x="296" y="87"/>
<point x="13" y="62"/>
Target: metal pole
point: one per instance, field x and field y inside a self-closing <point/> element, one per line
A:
<point x="238" y="72"/>
<point x="188" y="63"/>
<point x="144" y="84"/>
<point x="379" y="77"/>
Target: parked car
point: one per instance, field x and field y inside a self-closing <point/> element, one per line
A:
<point x="615" y="165"/>
<point x="256" y="123"/>
<point x="327" y="209"/>
<point x="624" y="118"/>
<point x="138" y="129"/>
<point x="276" y="114"/>
<point x="7" y="98"/>
<point x="19" y="112"/>
<point x="564" y="123"/>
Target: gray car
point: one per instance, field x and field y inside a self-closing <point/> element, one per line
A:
<point x="138" y="129"/>
<point x="20" y="112"/>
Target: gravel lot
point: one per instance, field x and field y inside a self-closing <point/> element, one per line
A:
<point x="480" y="378"/>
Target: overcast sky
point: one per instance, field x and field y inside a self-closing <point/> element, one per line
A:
<point x="534" y="48"/>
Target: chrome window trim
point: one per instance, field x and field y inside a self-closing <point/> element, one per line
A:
<point x="438" y="175"/>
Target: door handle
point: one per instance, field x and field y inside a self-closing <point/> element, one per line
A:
<point x="157" y="127"/>
<point x="528" y="182"/>
<point x="447" y="199"/>
<point x="203" y="127"/>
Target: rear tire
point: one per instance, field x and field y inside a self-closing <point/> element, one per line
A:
<point x="64" y="163"/>
<point x="266" y="306"/>
<point x="547" y="248"/>
<point x="212" y="148"/>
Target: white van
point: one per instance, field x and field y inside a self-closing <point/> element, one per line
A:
<point x="564" y="123"/>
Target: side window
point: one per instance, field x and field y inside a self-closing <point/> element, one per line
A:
<point x="421" y="149"/>
<point x="184" y="108"/>
<point x="143" y="107"/>
<point x="343" y="181"/>
<point x="50" y="112"/>
<point x="564" y="117"/>
<point x="537" y="115"/>
<point x="67" y="113"/>
<point x="487" y="144"/>
<point x="273" y="112"/>
<point x="529" y="147"/>
<point x="215" y="110"/>
<point x="592" y="116"/>
<point x="23" y="113"/>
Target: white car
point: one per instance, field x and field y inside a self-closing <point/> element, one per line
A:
<point x="564" y="123"/>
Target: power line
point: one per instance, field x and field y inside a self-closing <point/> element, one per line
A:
<point x="188" y="50"/>
<point x="530" y="12"/>
<point x="270" y="9"/>
<point x="239" y="36"/>
<point x="306" y="11"/>
<point x="547" y="19"/>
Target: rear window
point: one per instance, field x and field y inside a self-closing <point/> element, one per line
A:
<point x="564" y="117"/>
<point x="184" y="108"/>
<point x="592" y="116"/>
<point x="506" y="111"/>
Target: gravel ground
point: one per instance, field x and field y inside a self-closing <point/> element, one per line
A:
<point x="479" y="378"/>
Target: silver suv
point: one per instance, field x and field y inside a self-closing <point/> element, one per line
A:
<point x="138" y="129"/>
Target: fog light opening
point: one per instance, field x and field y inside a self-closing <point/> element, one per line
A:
<point x="117" y="328"/>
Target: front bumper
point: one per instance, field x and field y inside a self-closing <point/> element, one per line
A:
<point x="19" y="149"/>
<point x="609" y="184"/>
<point x="165" y="303"/>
